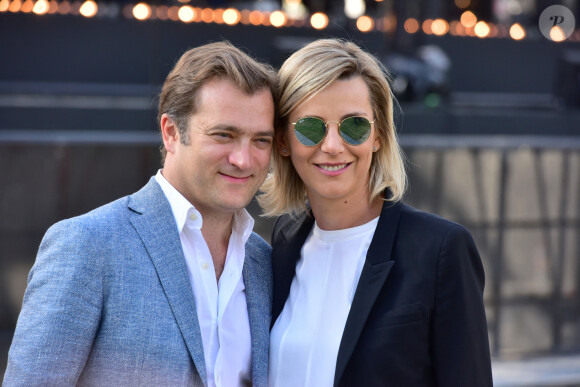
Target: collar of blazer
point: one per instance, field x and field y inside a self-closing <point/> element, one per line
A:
<point x="154" y="222"/>
<point x="289" y="237"/>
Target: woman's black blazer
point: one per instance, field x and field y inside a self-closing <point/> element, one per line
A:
<point x="417" y="317"/>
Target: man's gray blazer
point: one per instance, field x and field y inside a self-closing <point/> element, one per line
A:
<point x="109" y="302"/>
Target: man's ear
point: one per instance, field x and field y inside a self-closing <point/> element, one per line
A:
<point x="282" y="145"/>
<point x="170" y="133"/>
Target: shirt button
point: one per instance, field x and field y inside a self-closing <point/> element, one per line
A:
<point x="205" y="266"/>
<point x="193" y="217"/>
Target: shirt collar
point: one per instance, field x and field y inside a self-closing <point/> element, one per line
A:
<point x="184" y="211"/>
<point x="180" y="206"/>
<point x="243" y="224"/>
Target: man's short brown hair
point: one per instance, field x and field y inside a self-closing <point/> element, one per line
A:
<point x="200" y="64"/>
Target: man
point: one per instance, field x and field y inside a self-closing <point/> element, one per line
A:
<point x="168" y="286"/>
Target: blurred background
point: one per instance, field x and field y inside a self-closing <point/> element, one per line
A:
<point x="489" y="118"/>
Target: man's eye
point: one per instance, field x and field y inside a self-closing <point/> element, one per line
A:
<point x="222" y="135"/>
<point x="263" y="143"/>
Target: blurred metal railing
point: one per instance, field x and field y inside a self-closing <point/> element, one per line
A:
<point x="555" y="253"/>
<point x="560" y="309"/>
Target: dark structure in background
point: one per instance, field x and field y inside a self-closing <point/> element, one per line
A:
<point x="492" y="140"/>
<point x="68" y="73"/>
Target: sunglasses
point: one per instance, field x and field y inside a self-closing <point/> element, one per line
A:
<point x="310" y="131"/>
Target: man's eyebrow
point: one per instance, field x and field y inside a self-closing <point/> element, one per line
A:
<point x="265" y="133"/>
<point x="223" y="127"/>
<point x="235" y="129"/>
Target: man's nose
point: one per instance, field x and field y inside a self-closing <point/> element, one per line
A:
<point x="240" y="156"/>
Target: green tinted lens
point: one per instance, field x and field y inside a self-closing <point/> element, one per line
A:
<point x="355" y="130"/>
<point x="309" y="130"/>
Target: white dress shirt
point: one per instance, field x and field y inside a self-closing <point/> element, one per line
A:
<point x="305" y="339"/>
<point x="221" y="306"/>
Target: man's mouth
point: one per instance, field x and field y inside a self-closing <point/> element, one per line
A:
<point x="235" y="178"/>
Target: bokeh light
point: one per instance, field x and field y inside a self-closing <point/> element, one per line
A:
<point x="173" y="13"/>
<point x="319" y="20"/>
<point x="517" y="32"/>
<point x="186" y="13"/>
<point x="354" y="8"/>
<point x="207" y="15"/>
<point x="389" y="23"/>
<point x="365" y="23"/>
<point x="439" y="27"/>
<point x="557" y="34"/>
<point x="232" y="16"/>
<point x="427" y="26"/>
<point x="256" y="18"/>
<point x="245" y="16"/>
<point x="52" y="6"/>
<point x="89" y="8"/>
<point x="218" y="16"/>
<point x="456" y="28"/>
<point x="278" y="18"/>
<point x="64" y="8"/>
<point x="481" y="29"/>
<point x="161" y="12"/>
<point x="266" y="19"/>
<point x="15" y="6"/>
<point x="27" y="6"/>
<point x="493" y="30"/>
<point x="411" y="25"/>
<point x="41" y="7"/>
<point x="462" y="3"/>
<point x="75" y="8"/>
<point x="468" y="19"/>
<point x="142" y="11"/>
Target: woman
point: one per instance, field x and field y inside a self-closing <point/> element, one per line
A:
<point x="367" y="290"/>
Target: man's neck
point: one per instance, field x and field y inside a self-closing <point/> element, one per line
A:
<point x="216" y="231"/>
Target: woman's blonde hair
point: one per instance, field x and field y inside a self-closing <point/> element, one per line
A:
<point x="305" y="73"/>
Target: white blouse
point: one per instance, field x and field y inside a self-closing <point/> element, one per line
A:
<point x="305" y="338"/>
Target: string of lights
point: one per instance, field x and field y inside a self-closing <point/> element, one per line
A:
<point x="468" y="25"/>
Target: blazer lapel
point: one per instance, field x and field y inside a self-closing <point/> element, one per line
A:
<point x="258" y="282"/>
<point x="155" y="225"/>
<point x="376" y="269"/>
<point x="285" y="255"/>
